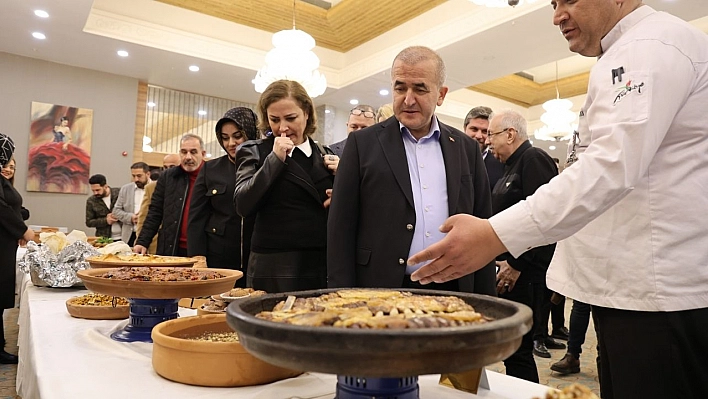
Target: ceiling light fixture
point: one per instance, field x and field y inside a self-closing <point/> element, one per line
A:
<point x="383" y="92"/>
<point x="41" y="13"/>
<point x="291" y="58"/>
<point x="122" y="53"/>
<point x="151" y="104"/>
<point x="202" y="112"/>
<point x="354" y="101"/>
<point x="39" y="35"/>
<point x="558" y="118"/>
<point x="502" y="3"/>
<point x="194" y="68"/>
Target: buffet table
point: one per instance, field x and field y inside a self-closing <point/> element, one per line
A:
<point x="63" y="357"/>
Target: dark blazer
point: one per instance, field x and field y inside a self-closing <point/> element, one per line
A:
<point x="215" y="230"/>
<point x="495" y="170"/>
<point x="165" y="212"/>
<point x="372" y="215"/>
<point x="338" y="147"/>
<point x="527" y="169"/>
<point x="96" y="212"/>
<point x="285" y="199"/>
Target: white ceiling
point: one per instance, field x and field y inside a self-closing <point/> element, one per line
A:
<point x="478" y="44"/>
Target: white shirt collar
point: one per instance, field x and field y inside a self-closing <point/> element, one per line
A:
<point x="304" y="147"/>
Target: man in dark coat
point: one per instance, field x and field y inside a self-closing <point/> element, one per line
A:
<point x="98" y="208"/>
<point x="169" y="207"/>
<point x="522" y="279"/>
<point x="477" y="127"/>
<point x="398" y="180"/>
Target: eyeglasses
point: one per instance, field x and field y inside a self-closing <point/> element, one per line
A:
<point x="490" y="134"/>
<point x="357" y="112"/>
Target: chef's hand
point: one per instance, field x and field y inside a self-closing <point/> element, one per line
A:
<point x="139" y="249"/>
<point x="282" y="146"/>
<point x="332" y="163"/>
<point x="469" y="245"/>
<point x="506" y="278"/>
<point x="329" y="197"/>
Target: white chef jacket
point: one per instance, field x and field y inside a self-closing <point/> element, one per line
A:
<point x="632" y="210"/>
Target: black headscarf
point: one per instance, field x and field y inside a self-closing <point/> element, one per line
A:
<point x="7" y="148"/>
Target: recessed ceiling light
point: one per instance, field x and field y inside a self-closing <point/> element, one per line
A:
<point x="38" y="35"/>
<point x="552" y="147"/>
<point x="41" y="13"/>
<point x="202" y="112"/>
<point x="194" y="68"/>
<point x="122" y="53"/>
<point x="151" y="104"/>
<point x="383" y="92"/>
<point x="353" y="101"/>
<point x="208" y="155"/>
<point x="327" y="111"/>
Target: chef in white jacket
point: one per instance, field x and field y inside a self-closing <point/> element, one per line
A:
<point x="629" y="215"/>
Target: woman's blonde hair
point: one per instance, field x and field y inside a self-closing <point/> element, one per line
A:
<point x="385" y="111"/>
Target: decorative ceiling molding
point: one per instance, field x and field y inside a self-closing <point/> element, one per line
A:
<point x="527" y="93"/>
<point x="343" y="27"/>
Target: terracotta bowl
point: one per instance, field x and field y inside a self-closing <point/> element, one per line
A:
<point x="158" y="289"/>
<point x="213" y="364"/>
<point x="97" y="312"/>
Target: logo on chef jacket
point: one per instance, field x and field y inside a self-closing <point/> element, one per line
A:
<point x="626" y="89"/>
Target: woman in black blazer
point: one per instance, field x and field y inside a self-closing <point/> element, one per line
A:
<point x="285" y="181"/>
<point x="12" y="231"/>
<point x="215" y="230"/>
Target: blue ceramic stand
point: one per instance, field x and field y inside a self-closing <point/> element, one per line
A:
<point x="144" y="315"/>
<point x="349" y="387"/>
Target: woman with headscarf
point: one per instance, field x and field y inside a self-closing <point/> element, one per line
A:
<point x="285" y="180"/>
<point x="8" y="172"/>
<point x="13" y="231"/>
<point x="214" y="229"/>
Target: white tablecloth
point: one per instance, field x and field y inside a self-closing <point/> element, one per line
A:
<point x="63" y="357"/>
<point x="18" y="274"/>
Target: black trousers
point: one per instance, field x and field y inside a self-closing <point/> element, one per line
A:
<point x="541" y="310"/>
<point x="521" y="364"/>
<point x="652" y="354"/>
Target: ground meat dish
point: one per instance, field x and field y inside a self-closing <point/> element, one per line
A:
<point x="161" y="274"/>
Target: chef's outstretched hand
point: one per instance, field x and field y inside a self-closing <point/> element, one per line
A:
<point x="469" y="245"/>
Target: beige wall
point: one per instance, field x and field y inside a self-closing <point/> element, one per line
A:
<point x="113" y="99"/>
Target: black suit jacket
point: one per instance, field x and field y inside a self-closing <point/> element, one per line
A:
<point x="372" y="215"/>
<point x="495" y="170"/>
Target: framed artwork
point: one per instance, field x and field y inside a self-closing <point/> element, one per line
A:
<point x="59" y="156"/>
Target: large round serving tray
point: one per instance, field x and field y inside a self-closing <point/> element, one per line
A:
<point x="164" y="261"/>
<point x="158" y="289"/>
<point x="382" y="353"/>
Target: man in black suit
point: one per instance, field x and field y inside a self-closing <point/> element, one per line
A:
<point x="360" y="117"/>
<point x="398" y="180"/>
<point x="477" y="127"/>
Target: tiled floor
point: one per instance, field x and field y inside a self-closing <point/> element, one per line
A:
<point x="9" y="371"/>
<point x="588" y="368"/>
<point x="587" y="375"/>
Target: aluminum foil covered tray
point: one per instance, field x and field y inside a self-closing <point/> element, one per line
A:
<point x="382" y="352"/>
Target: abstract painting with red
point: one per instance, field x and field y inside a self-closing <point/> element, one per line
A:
<point x="59" y="157"/>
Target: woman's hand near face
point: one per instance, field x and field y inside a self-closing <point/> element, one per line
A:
<point x="282" y="146"/>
